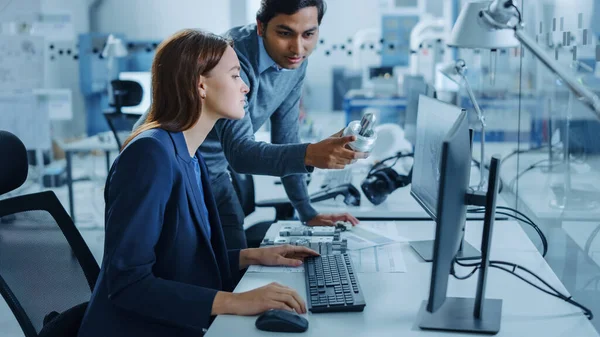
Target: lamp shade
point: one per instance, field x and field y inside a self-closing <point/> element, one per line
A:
<point x="470" y="31"/>
<point x="114" y="47"/>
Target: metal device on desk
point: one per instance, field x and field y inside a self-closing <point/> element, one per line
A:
<point x="324" y="240"/>
<point x="307" y="231"/>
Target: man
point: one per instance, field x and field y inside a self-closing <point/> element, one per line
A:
<point x="272" y="56"/>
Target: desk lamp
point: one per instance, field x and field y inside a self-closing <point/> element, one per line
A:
<point x="469" y="32"/>
<point x="498" y="24"/>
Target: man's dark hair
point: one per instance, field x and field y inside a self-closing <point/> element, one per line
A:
<point x="270" y="8"/>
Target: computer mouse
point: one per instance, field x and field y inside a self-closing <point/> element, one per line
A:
<point x="281" y="321"/>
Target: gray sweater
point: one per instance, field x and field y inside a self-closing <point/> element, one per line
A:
<point x="275" y="95"/>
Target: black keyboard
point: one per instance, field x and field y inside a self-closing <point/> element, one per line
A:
<point x="331" y="284"/>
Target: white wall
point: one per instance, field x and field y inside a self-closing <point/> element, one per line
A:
<point x="63" y="71"/>
<point x="157" y="19"/>
<point x="342" y="21"/>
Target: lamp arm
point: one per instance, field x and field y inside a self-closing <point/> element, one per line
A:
<point x="588" y="97"/>
<point x="482" y="180"/>
<point x="473" y="100"/>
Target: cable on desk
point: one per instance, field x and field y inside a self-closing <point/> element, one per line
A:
<point x="496" y="264"/>
<point x="523" y="218"/>
<point x="552" y="292"/>
<point x="453" y="273"/>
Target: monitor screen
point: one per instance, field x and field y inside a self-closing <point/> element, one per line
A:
<point x="435" y="119"/>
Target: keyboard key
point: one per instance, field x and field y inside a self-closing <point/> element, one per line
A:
<point x="337" y="304"/>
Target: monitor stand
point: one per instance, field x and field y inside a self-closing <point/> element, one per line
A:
<point x="456" y="315"/>
<point x="425" y="250"/>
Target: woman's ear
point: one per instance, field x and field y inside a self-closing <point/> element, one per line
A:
<point x="202" y="87"/>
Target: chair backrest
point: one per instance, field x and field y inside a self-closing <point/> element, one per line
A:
<point x="13" y="152"/>
<point x="45" y="265"/>
<point x="244" y="188"/>
<point x="126" y="93"/>
<point x="121" y="125"/>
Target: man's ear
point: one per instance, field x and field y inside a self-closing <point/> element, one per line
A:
<point x="260" y="27"/>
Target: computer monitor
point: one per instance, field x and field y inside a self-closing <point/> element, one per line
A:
<point x="435" y="120"/>
<point x="460" y="314"/>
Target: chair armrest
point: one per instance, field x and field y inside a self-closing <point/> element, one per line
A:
<point x="273" y="202"/>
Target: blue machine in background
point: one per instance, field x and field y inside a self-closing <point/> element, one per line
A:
<point x="94" y="75"/>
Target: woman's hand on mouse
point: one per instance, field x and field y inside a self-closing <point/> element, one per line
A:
<point x="284" y="255"/>
<point x="257" y="301"/>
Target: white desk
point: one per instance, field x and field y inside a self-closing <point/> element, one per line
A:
<point x="393" y="300"/>
<point x="399" y="205"/>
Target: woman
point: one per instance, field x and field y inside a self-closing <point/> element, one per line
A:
<point x="166" y="271"/>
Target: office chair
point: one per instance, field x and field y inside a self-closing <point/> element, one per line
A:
<point x="125" y="93"/>
<point x="47" y="272"/>
<point x="244" y="188"/>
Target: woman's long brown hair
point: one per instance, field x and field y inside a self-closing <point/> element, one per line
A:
<point x="178" y="64"/>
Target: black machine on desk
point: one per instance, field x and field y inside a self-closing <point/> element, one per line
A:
<point x="382" y="179"/>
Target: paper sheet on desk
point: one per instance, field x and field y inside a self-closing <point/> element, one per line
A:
<point x="369" y="235"/>
<point x="275" y="269"/>
<point x="387" y="229"/>
<point x="380" y="259"/>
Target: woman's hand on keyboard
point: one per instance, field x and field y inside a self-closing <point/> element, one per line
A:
<point x="284" y="255"/>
